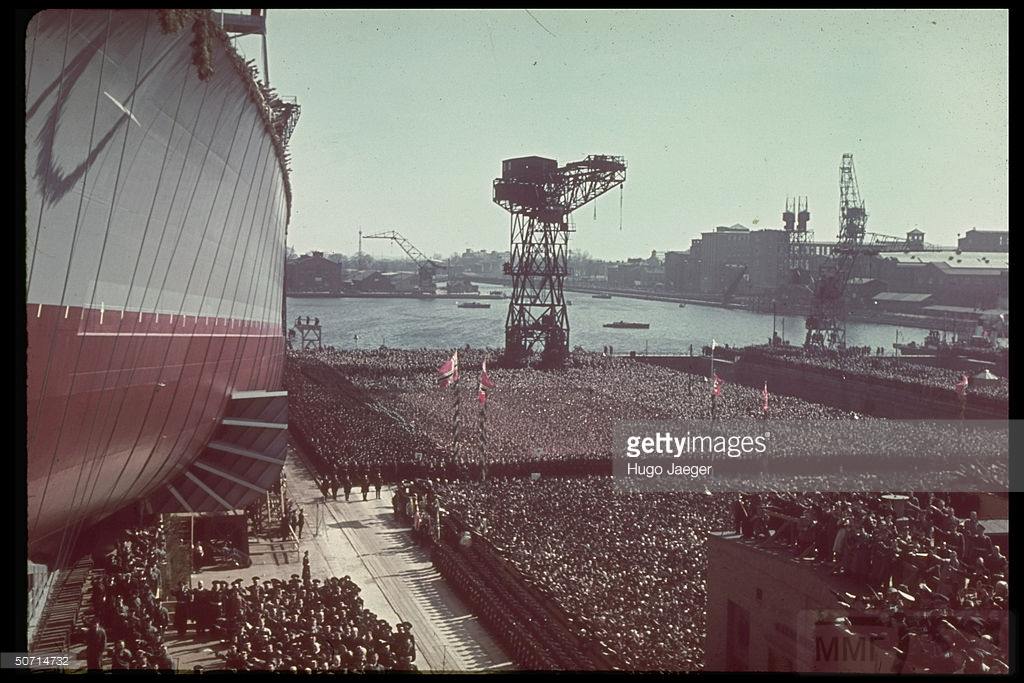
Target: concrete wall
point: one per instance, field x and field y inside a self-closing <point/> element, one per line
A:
<point x="694" y="365"/>
<point x="833" y="388"/>
<point x="892" y="400"/>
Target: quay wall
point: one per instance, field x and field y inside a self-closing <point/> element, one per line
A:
<point x="888" y="398"/>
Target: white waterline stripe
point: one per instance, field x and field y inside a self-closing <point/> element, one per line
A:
<point x="172" y="334"/>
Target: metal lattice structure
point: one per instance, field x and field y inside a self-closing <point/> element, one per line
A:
<point x="826" y="324"/>
<point x="311" y="336"/>
<point x="540" y="196"/>
<point x="426" y="267"/>
<point x="795" y="219"/>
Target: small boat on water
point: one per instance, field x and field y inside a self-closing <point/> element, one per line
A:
<point x="628" y="326"/>
<point x="682" y="305"/>
<point x="602" y="296"/>
<point x="473" y="304"/>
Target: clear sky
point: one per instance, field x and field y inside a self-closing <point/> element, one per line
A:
<point x="406" y="116"/>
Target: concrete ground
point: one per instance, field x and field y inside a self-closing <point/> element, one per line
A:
<point x="399" y="583"/>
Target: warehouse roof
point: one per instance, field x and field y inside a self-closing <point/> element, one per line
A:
<point x="905" y="297"/>
<point x="966" y="259"/>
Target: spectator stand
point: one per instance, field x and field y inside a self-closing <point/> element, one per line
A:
<point x="534" y="630"/>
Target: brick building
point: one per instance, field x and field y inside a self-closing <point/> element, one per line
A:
<point x="313" y="273"/>
<point x="984" y="240"/>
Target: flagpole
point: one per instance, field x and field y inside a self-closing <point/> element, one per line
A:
<point x="713" y="394"/>
<point x="483" y="441"/>
<point x="961" y="390"/>
<point x="484" y="384"/>
<point x="455" y="419"/>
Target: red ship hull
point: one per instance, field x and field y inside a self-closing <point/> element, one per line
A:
<point x="119" y="405"/>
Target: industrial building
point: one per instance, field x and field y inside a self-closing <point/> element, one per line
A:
<point x="952" y="278"/>
<point x="984" y="240"/>
<point x="641" y="273"/>
<point x="480" y="262"/>
<point x="313" y="273"/>
<point x="731" y="260"/>
<point x="376" y="282"/>
<point x="904" y="276"/>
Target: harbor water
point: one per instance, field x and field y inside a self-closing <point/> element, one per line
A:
<point x="439" y="323"/>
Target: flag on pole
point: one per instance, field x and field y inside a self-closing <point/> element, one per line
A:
<point x="484" y="384"/>
<point x="449" y="371"/>
<point x="716" y="388"/>
<point x="961" y="386"/>
<point x="765" y="395"/>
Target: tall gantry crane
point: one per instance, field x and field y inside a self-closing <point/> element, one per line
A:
<point x="540" y="196"/>
<point x="426" y="267"/>
<point x="826" y="324"/>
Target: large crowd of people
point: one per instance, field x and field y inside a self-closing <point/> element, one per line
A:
<point x="387" y="406"/>
<point x="127" y="613"/>
<point x="631" y="569"/>
<point x="940" y="578"/>
<point x="628" y="569"/>
<point x="371" y="416"/>
<point x="302" y="624"/>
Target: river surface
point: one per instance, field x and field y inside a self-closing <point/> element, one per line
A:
<point x="440" y="323"/>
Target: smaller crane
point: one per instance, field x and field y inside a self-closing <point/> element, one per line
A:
<point x="427" y="267"/>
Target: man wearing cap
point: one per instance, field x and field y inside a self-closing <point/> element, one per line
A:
<point x="95" y="645"/>
<point x="235" y="660"/>
<point x="403" y="643"/>
<point x="284" y="530"/>
<point x="182" y="608"/>
<point x="162" y="619"/>
<point x="198" y="556"/>
<point x="200" y="607"/>
<point x="162" y="660"/>
<point x="121" y="657"/>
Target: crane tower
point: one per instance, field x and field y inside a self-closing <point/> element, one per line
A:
<point x="826" y="324"/>
<point x="540" y="195"/>
<point x="424" y="265"/>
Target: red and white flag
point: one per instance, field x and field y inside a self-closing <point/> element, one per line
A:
<point x="765" y="395"/>
<point x="449" y="371"/>
<point x="961" y="386"/>
<point x="716" y="388"/>
<point x="484" y="385"/>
